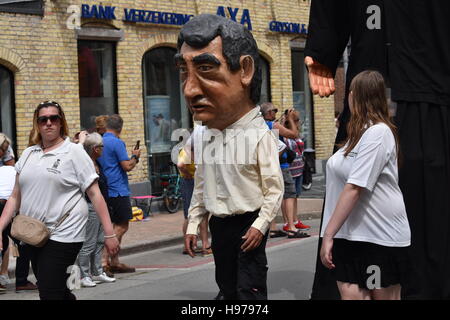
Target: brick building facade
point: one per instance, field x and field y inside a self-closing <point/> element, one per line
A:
<point x="126" y="47"/>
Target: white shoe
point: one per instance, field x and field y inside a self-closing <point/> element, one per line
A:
<point x="4" y="279"/>
<point x="103" y="278"/>
<point x="87" y="282"/>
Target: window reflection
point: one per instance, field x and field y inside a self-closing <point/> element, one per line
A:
<point x="97" y="80"/>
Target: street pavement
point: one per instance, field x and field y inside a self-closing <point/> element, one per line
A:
<point x="167" y="274"/>
<point x="163" y="230"/>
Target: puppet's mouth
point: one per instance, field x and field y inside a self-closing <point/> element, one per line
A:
<point x="199" y="107"/>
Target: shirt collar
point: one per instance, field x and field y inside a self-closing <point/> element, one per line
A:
<point x="106" y="134"/>
<point x="242" y="123"/>
<point x="64" y="148"/>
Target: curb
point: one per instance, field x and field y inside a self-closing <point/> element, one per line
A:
<point x="170" y="240"/>
<point x="151" y="245"/>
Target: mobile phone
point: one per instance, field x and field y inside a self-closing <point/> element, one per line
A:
<point x="137" y="145"/>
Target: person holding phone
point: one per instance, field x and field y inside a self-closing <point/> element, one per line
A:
<point x="115" y="164"/>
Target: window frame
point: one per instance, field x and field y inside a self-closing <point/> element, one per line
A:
<point x="266" y="62"/>
<point x="158" y="162"/>
<point x="307" y="94"/>
<point x="35" y="7"/>
<point x="114" y="76"/>
<point x="12" y="135"/>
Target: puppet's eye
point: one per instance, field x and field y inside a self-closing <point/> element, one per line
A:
<point x="205" y="67"/>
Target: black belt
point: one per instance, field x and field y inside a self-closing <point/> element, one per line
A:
<point x="3" y="201"/>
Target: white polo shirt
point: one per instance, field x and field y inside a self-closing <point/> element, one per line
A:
<point x="7" y="181"/>
<point x="51" y="183"/>
<point x="379" y="216"/>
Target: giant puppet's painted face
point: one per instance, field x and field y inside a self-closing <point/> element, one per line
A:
<point x="217" y="77"/>
<point x="213" y="93"/>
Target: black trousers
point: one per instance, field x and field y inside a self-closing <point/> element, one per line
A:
<point x="23" y="261"/>
<point x="23" y="264"/>
<point x="239" y="275"/>
<point x="6" y="231"/>
<point x="424" y="178"/>
<point x="50" y="264"/>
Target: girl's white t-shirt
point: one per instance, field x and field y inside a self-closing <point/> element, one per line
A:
<point x="379" y="215"/>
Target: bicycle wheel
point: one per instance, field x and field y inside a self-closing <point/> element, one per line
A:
<point x="171" y="200"/>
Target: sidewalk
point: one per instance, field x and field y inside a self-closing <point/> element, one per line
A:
<point x="164" y="229"/>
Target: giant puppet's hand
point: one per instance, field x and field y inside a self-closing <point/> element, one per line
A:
<point x="320" y="78"/>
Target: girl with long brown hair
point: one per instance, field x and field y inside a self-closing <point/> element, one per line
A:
<point x="365" y="228"/>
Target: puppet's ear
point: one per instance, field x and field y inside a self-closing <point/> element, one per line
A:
<point x="247" y="69"/>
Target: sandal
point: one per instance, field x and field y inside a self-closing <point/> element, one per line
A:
<point x="277" y="233"/>
<point x="122" y="268"/>
<point x="207" y="252"/>
<point x="297" y="234"/>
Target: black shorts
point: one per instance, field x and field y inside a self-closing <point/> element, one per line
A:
<point x="120" y="209"/>
<point x="356" y="261"/>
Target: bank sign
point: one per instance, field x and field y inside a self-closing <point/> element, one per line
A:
<point x="179" y="19"/>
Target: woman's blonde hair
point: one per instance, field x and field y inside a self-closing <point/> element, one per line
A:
<point x="100" y="122"/>
<point x="35" y="136"/>
<point x="4" y="138"/>
<point x="369" y="107"/>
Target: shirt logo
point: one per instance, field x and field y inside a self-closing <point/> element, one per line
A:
<point x="54" y="168"/>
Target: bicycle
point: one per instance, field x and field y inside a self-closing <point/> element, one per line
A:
<point x="172" y="190"/>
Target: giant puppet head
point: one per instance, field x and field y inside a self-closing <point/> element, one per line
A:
<point x="219" y="69"/>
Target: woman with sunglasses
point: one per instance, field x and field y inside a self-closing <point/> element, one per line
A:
<point x="52" y="176"/>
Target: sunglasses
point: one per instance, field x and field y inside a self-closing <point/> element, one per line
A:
<point x="274" y="110"/>
<point x="44" y="119"/>
<point x="49" y="103"/>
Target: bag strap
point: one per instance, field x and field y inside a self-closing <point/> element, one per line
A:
<point x="28" y="156"/>
<point x="65" y="216"/>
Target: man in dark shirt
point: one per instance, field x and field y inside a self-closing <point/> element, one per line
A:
<point x="408" y="42"/>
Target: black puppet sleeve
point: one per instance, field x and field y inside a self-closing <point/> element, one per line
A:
<point x="328" y="32"/>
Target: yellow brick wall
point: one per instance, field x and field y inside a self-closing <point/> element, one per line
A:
<point x="42" y="53"/>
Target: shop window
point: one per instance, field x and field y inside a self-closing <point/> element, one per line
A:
<point x="7" y="112"/>
<point x="165" y="109"/>
<point x="23" y="6"/>
<point x="97" y="80"/>
<point x="302" y="96"/>
<point x="265" y="85"/>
